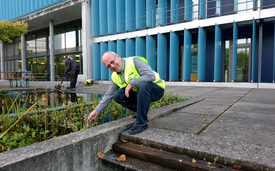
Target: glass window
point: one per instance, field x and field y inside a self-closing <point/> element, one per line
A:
<point x="30" y="44"/>
<point x="59" y="38"/>
<point x="17" y="43"/>
<point x="41" y="65"/>
<point x="195" y="9"/>
<point x="10" y="49"/>
<point x="245" y="6"/>
<point x="31" y="65"/>
<point x="41" y="41"/>
<point x="71" y="36"/>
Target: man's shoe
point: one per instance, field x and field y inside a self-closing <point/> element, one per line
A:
<point x="134" y="116"/>
<point x="137" y="129"/>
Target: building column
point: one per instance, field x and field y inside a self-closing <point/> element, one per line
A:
<point x="235" y="53"/>
<point x="187" y="56"/>
<point x="151" y="51"/>
<point x="104" y="74"/>
<point x="96" y="62"/>
<point x="162" y="55"/>
<point x="23" y="52"/>
<point x="201" y="55"/>
<point x="253" y="55"/>
<point x="51" y="25"/>
<point x="2" y="59"/>
<point x="260" y="52"/>
<point x="111" y="47"/>
<point x="87" y="46"/>
<point x="130" y="47"/>
<point x="174" y="57"/>
<point x="140" y="46"/>
<point x="174" y="11"/>
<point x="217" y="60"/>
<point x="274" y="55"/>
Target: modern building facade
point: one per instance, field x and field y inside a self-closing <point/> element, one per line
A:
<point x="184" y="40"/>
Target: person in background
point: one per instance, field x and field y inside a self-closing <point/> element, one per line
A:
<point x="134" y="85"/>
<point x="74" y="68"/>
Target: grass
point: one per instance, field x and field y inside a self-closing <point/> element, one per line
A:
<point x="43" y="122"/>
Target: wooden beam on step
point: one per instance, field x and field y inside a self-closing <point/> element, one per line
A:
<point x="164" y="158"/>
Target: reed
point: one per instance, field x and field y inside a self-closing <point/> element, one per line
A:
<point x="29" y="121"/>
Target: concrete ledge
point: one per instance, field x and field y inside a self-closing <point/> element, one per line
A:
<point x="75" y="151"/>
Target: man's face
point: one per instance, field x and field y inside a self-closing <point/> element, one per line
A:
<point x="112" y="62"/>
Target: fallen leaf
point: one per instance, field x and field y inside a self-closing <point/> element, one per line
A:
<point x="100" y="154"/>
<point x="237" y="167"/>
<point x="205" y="119"/>
<point x="121" y="158"/>
<point x="148" y="120"/>
<point x="141" y="144"/>
<point x="221" y="120"/>
<point x="180" y="160"/>
<point x="124" y="140"/>
<point x="193" y="160"/>
<point x="160" y="149"/>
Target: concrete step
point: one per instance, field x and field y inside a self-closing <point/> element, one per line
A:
<point x="140" y="157"/>
<point x="110" y="163"/>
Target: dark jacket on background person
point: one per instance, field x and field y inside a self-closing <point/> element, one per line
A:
<point x="71" y="65"/>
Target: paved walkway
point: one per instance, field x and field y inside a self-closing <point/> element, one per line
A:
<point x="236" y="124"/>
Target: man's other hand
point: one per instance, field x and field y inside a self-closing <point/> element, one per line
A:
<point x="127" y="90"/>
<point x="92" y="115"/>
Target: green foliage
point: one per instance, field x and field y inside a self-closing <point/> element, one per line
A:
<point x="10" y="29"/>
<point x="46" y="121"/>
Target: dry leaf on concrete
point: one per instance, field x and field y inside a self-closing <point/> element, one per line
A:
<point x="180" y="160"/>
<point x="121" y="158"/>
<point x="237" y="167"/>
<point x="193" y="160"/>
<point x="100" y="154"/>
<point x="124" y="140"/>
<point x="205" y="119"/>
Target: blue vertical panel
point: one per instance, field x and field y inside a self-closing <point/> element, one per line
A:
<point x="111" y="47"/>
<point x="140" y="14"/>
<point x="202" y="9"/>
<point x="103" y="69"/>
<point x="36" y="5"/>
<point x="121" y="51"/>
<point x="46" y="3"/>
<point x="51" y="2"/>
<point x="151" y="51"/>
<point x="162" y="12"/>
<point x="96" y="61"/>
<point x="253" y="55"/>
<point x="16" y="9"/>
<point x="24" y="7"/>
<point x="255" y="6"/>
<point x="174" y="56"/>
<point x="10" y="9"/>
<point x="130" y="47"/>
<point x="130" y="15"/>
<point x="161" y="57"/>
<point x="103" y="27"/>
<point x="140" y="46"/>
<point x="174" y="11"/>
<point x="95" y="17"/>
<point x="217" y="55"/>
<point x="20" y="8"/>
<point x="188" y="10"/>
<point x="273" y="53"/>
<point x="218" y="7"/>
<point x="111" y="16"/>
<point x="235" y="53"/>
<point x="33" y="6"/>
<point x="151" y="13"/>
<point x="28" y="6"/>
<point x="1" y="10"/>
<point x="187" y="55"/>
<point x="201" y="54"/>
<point x="41" y="4"/>
<point x="120" y="16"/>
<point x="236" y="5"/>
<point x="57" y="1"/>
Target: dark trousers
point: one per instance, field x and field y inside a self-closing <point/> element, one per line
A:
<point x="74" y="78"/>
<point x="139" y="101"/>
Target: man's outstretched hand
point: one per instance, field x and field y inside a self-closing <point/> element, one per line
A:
<point x="92" y="115"/>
